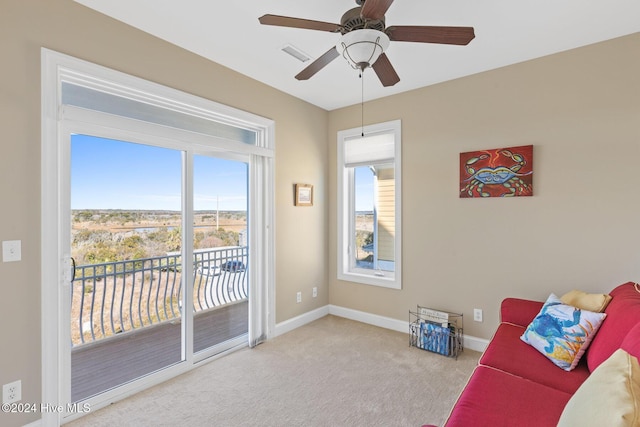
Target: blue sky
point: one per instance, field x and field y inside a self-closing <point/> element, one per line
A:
<point x="364" y="189"/>
<point x="109" y="174"/>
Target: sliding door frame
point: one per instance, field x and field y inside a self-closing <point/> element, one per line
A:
<point x="58" y="122"/>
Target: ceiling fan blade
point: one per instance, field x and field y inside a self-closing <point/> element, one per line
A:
<point x="375" y="9"/>
<point x="385" y="72"/>
<point x="420" y="34"/>
<point x="308" y="24"/>
<point x="318" y="64"/>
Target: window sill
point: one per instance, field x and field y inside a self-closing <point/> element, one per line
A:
<point x="369" y="277"/>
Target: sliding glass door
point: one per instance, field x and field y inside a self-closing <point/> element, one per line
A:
<point x="221" y="257"/>
<point x="134" y="267"/>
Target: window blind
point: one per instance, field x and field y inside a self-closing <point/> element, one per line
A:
<point x="368" y="150"/>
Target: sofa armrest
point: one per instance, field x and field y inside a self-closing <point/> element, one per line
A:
<point x="519" y="311"/>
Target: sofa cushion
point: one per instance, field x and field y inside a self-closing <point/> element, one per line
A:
<point x="585" y="301"/>
<point x="495" y="398"/>
<point x="508" y="353"/>
<point x="631" y="342"/>
<point x="609" y="397"/>
<point x="623" y="313"/>
<point x="562" y="332"/>
<point x="519" y="311"/>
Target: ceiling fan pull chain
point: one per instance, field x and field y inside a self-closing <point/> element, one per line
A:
<point x="362" y="104"/>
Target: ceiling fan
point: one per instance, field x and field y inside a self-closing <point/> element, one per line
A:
<point x="365" y="38"/>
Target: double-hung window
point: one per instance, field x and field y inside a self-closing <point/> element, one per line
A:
<point x="369" y="205"/>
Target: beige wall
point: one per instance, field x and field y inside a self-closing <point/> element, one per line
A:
<point x="581" y="111"/>
<point x="67" y="27"/>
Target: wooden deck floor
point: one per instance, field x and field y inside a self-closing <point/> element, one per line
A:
<point x="100" y="366"/>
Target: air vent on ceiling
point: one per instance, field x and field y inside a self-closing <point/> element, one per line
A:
<point x="296" y="53"/>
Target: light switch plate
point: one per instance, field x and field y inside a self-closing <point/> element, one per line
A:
<point x="11" y="250"/>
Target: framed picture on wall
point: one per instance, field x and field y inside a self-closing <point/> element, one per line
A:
<point x="304" y="195"/>
<point x="499" y="172"/>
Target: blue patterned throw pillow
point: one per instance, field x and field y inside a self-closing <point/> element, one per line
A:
<point x="561" y="332"/>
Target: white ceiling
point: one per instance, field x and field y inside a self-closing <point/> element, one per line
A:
<point x="507" y="32"/>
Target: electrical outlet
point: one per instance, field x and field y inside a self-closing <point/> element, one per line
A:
<point x="12" y="392"/>
<point x="315" y="292"/>
<point x="299" y="297"/>
<point x="11" y="250"/>
<point x="477" y="314"/>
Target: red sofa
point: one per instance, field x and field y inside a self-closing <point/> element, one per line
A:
<point x="515" y="385"/>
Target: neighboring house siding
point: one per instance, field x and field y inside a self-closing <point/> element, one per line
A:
<point x="386" y="213"/>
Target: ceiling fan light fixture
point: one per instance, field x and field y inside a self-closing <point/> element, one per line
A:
<point x="361" y="48"/>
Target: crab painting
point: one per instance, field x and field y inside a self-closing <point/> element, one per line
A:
<point x="501" y="172"/>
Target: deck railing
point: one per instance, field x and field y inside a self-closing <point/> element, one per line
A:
<point x="115" y="297"/>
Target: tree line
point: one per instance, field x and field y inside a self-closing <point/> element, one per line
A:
<point x="95" y="241"/>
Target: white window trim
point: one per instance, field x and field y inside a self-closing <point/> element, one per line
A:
<point x="55" y="271"/>
<point x="346" y="204"/>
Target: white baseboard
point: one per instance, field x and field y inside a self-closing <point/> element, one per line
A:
<point x="371" y="319"/>
<point x="303" y="319"/>
<point x="470" y="342"/>
<point x="475" y="343"/>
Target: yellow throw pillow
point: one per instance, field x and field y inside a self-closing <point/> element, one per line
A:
<point x="609" y="397"/>
<point x="585" y="301"/>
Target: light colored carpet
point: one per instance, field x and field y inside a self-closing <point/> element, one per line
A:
<point x="331" y="372"/>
